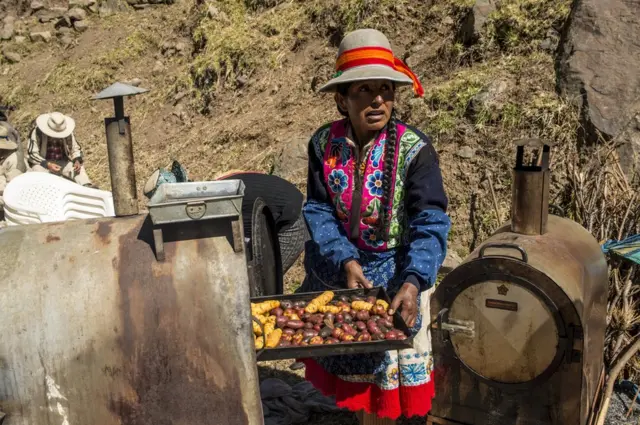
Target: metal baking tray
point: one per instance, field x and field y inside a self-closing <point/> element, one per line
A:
<point x="280" y="353"/>
<point x="179" y="202"/>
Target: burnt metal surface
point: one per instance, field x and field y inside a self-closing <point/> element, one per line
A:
<point x="530" y="192"/>
<point x="121" y="165"/>
<point x="568" y="266"/>
<point x="342" y="348"/>
<point x="101" y="333"/>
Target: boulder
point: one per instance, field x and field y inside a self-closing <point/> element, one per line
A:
<point x="20" y="39"/>
<point x="7" y="32"/>
<point x="489" y="103"/>
<point x="597" y="68"/>
<point x="36" y="5"/>
<point x="291" y="162"/>
<point x="80" y="26"/>
<point x="44" y="36"/>
<point x="474" y="20"/>
<point x="81" y="3"/>
<point x="11" y="57"/>
<point x="76" y="14"/>
<point x="63" y="22"/>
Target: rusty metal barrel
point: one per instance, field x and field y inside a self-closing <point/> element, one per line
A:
<point x="97" y="330"/>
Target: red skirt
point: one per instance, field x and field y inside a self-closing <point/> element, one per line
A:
<point x="407" y="401"/>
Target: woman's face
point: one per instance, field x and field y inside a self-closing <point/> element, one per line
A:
<point x="369" y="104"/>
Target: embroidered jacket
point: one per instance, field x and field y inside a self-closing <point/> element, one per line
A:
<point x="344" y="195"/>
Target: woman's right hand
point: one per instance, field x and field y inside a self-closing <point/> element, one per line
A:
<point x="355" y="276"/>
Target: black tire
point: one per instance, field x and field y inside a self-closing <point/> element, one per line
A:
<point x="264" y="266"/>
<point x="292" y="242"/>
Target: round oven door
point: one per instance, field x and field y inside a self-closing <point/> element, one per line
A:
<point x="515" y="334"/>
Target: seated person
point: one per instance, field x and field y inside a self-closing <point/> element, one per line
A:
<point x="53" y="148"/>
<point x="11" y="162"/>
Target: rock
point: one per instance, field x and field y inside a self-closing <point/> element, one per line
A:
<point x="62" y="31"/>
<point x="9" y="20"/>
<point x="12" y="57"/>
<point x="472" y="24"/>
<point x="448" y="21"/>
<point x="550" y="43"/>
<point x="76" y="14"/>
<point x="179" y="96"/>
<point x="466" y="152"/>
<point x="44" y="36"/>
<point x="80" y="26"/>
<point x="82" y="3"/>
<point x="135" y="82"/>
<point x="93" y="8"/>
<point x="36" y="5"/>
<point x="58" y="12"/>
<point x="451" y="261"/>
<point x="45" y="15"/>
<point x="241" y="81"/>
<point x="157" y="69"/>
<point x="181" y="47"/>
<point x="7" y="32"/>
<point x="65" y="21"/>
<point x="290" y="163"/>
<point x="597" y="68"/>
<point x="490" y="102"/>
<point x="212" y="11"/>
<point x="141" y="6"/>
<point x="20" y="39"/>
<point x="66" y="40"/>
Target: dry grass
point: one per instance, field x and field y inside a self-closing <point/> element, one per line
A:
<point x="599" y="197"/>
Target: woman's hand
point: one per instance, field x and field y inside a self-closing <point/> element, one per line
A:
<point x="407" y="298"/>
<point x="77" y="166"/>
<point x="355" y="276"/>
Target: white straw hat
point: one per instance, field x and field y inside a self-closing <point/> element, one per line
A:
<point x="56" y="125"/>
<point x="366" y="54"/>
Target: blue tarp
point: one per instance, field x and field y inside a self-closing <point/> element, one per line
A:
<point x="628" y="248"/>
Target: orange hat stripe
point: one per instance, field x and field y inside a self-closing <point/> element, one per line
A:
<point x="379" y="56"/>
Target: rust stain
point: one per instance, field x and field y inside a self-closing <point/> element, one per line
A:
<point x="173" y="359"/>
<point x="52" y="238"/>
<point x="104" y="231"/>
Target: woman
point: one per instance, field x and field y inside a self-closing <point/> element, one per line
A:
<point x="376" y="215"/>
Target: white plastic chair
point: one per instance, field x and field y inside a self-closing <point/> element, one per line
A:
<point x="35" y="197"/>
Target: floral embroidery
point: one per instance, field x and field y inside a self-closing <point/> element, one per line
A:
<point x="341" y="209"/>
<point x="370" y="237"/>
<point x="371" y="215"/>
<point x="374" y="183"/>
<point x="338" y="181"/>
<point x="413" y="373"/>
<point x="376" y="153"/>
<point x="338" y="151"/>
<point x="393" y="375"/>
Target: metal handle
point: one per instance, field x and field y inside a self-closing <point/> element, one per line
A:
<point x="196" y="210"/>
<point x="264" y="337"/>
<point x="525" y="257"/>
<point x="454" y="325"/>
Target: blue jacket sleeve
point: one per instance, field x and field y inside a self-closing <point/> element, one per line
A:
<point x="319" y="213"/>
<point x="426" y="205"/>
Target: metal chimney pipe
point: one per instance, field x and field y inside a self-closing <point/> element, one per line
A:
<point x="120" y="150"/>
<point x="530" y="190"/>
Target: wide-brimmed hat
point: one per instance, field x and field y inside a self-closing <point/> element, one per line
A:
<point x="5" y="142"/>
<point x="56" y="125"/>
<point x="366" y="54"/>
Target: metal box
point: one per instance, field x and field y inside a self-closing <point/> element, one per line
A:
<point x="197" y="201"/>
<point x="179" y="202"/>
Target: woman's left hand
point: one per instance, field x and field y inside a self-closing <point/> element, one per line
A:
<point x="407" y="298"/>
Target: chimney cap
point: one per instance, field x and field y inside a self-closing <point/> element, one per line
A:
<point x="119" y="90"/>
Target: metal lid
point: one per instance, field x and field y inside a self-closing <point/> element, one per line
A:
<point x="516" y="338"/>
<point x="119" y="90"/>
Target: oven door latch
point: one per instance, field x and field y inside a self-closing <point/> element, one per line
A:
<point x="451" y="325"/>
